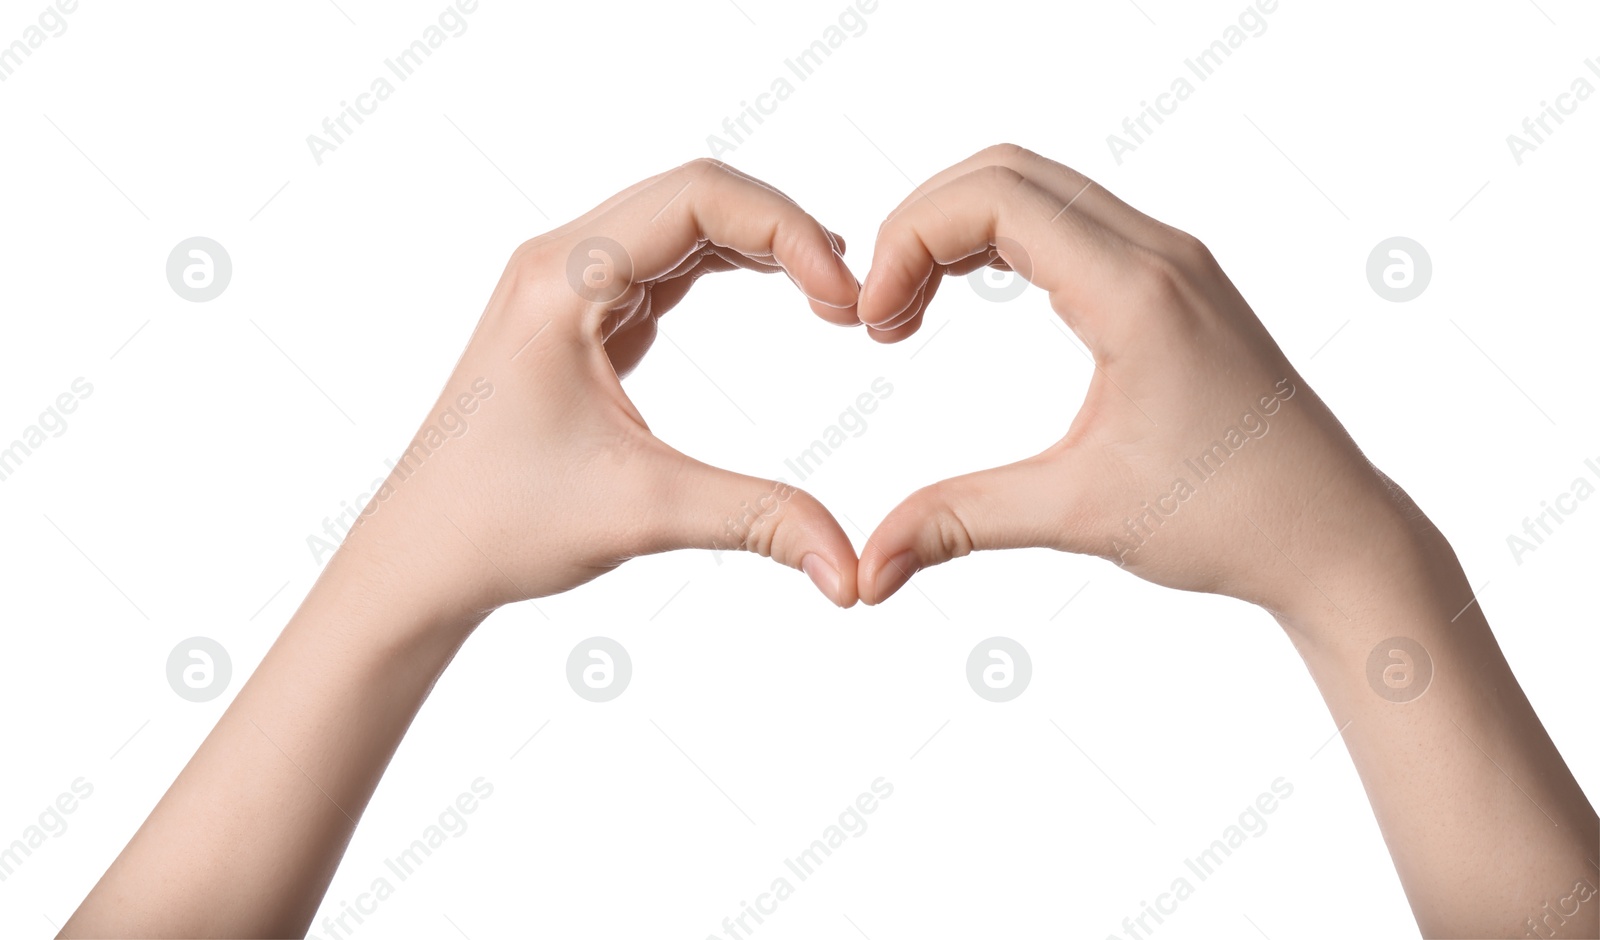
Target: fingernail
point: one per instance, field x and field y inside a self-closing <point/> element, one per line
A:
<point x="893" y="576"/>
<point x="822" y="575"/>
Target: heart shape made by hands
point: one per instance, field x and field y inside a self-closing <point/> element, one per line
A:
<point x="1150" y="474"/>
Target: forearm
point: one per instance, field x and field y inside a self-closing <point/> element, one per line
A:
<point x="532" y="474"/>
<point x="248" y="837"/>
<point x="1485" y="823"/>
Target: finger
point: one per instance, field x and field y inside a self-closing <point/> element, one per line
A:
<point x="604" y="207"/>
<point x="768" y="265"/>
<point x="618" y="197"/>
<point x="1020" y="505"/>
<point x="700" y="506"/>
<point x="1081" y="263"/>
<point x="629" y="328"/>
<point x="654" y="298"/>
<point x="634" y="330"/>
<point x="646" y="301"/>
<point x="971" y="263"/>
<point x="664" y="223"/>
<point x="665" y="294"/>
<point x="1065" y="183"/>
<point x="925" y="296"/>
<point x="907" y="324"/>
<point x="627" y="348"/>
<point x="913" y="302"/>
<point x="658" y="297"/>
<point x="897" y="333"/>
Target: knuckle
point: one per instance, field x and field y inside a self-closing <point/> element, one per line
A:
<point x="758" y="523"/>
<point x="1003" y="153"/>
<point x="998" y="177"/>
<point x="706" y="168"/>
<point x="531" y="265"/>
<point x="953" y="536"/>
<point x="530" y="253"/>
<point x="794" y="229"/>
<point x="1191" y="252"/>
<point x="1158" y="280"/>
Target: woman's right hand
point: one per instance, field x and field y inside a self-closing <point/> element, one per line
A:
<point x="1199" y="459"/>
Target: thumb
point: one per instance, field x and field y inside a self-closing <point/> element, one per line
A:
<point x="710" y="508"/>
<point x="1034" y="503"/>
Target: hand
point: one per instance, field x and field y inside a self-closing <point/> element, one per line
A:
<point x="535" y="473"/>
<point x="1199" y="459"/>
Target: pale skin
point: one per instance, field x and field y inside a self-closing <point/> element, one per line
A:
<point x="1483" y="819"/>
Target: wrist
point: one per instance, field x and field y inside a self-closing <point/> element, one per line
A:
<point x="381" y="587"/>
<point x="1387" y="565"/>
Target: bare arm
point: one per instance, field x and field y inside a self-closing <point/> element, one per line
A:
<point x="1201" y="460"/>
<point x="1490" y="833"/>
<point x="532" y="474"/>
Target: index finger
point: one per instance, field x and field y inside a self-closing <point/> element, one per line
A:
<point x="664" y="223"/>
<point x="1080" y="262"/>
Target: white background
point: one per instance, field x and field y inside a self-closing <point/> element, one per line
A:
<point x="188" y="481"/>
